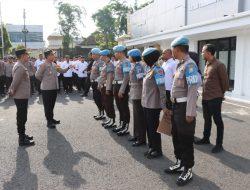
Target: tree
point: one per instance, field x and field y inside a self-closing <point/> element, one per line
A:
<point x="105" y="22"/>
<point x="6" y="40"/>
<point x="70" y="19"/>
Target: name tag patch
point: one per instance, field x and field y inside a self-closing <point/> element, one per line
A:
<point x="192" y="75"/>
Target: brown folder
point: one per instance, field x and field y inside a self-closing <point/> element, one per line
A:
<point x="165" y="126"/>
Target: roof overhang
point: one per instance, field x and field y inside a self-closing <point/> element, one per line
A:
<point x="238" y="21"/>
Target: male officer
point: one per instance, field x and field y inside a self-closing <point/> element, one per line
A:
<point x="184" y="97"/>
<point x="67" y="77"/>
<point x="37" y="65"/>
<point x="47" y="74"/>
<point x="81" y="68"/>
<point x="20" y="91"/>
<point x="94" y="75"/>
<point x="105" y="85"/>
<point x="121" y="89"/>
<point x="8" y="72"/>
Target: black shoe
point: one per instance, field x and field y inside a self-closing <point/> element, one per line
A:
<point x="154" y="154"/>
<point x="51" y="125"/>
<point x="101" y="117"/>
<point x="56" y="121"/>
<point x="185" y="177"/>
<point x="25" y="142"/>
<point x="177" y="168"/>
<point x="30" y="138"/>
<point x="217" y="149"/>
<point x="138" y="143"/>
<point x="202" y="141"/>
<point x="111" y="124"/>
<point x="132" y="139"/>
<point x="148" y="152"/>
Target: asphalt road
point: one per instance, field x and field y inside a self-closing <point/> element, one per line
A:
<point x="80" y="154"/>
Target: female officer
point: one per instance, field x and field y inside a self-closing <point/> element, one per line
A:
<point x="136" y="77"/>
<point x="153" y="100"/>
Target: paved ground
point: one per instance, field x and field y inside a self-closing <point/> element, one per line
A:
<point x="80" y="154"/>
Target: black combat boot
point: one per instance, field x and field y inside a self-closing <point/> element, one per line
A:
<point x="111" y="124"/>
<point x="185" y="177"/>
<point x="51" y="125"/>
<point x="118" y="128"/>
<point x="175" y="169"/>
<point x="30" y="138"/>
<point x="124" y="130"/>
<point x="202" y="141"/>
<point x="56" y="122"/>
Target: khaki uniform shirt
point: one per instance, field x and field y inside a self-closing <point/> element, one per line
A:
<point x="216" y="81"/>
<point x="96" y="69"/>
<point x="107" y="76"/>
<point x="31" y="68"/>
<point x="21" y="82"/>
<point x="2" y="65"/>
<point x="8" y="69"/>
<point x="136" y="75"/>
<point x="47" y="74"/>
<point x="186" y="83"/>
<point x="122" y="74"/>
<point x="153" y="90"/>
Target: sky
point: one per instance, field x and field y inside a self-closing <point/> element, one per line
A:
<point x="43" y="12"/>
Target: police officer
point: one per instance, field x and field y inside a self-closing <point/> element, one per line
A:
<point x="32" y="71"/>
<point x="184" y="97"/>
<point x="153" y="100"/>
<point x="88" y="82"/>
<point x="105" y="85"/>
<point x="20" y="91"/>
<point x="95" y="73"/>
<point x="47" y="74"/>
<point x="136" y="75"/>
<point x="8" y="72"/>
<point x="121" y="89"/>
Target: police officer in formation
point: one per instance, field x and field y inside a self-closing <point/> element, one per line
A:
<point x="153" y="100"/>
<point x="136" y="75"/>
<point x="184" y="97"/>
<point x="94" y="75"/>
<point x="121" y="89"/>
<point x="105" y="83"/>
<point x="20" y="91"/>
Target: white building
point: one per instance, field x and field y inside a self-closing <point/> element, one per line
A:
<point x="34" y="37"/>
<point x="225" y="23"/>
<point x="55" y="43"/>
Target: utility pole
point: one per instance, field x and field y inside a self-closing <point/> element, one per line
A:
<point x="24" y="31"/>
<point x="2" y="30"/>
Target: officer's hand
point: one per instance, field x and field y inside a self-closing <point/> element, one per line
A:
<point x="120" y="95"/>
<point x="11" y="93"/>
<point x="189" y="119"/>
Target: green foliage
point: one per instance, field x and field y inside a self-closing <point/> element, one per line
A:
<point x="70" y="19"/>
<point x="7" y="42"/>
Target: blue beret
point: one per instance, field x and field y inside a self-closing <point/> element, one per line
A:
<point x="105" y="52"/>
<point x="180" y="41"/>
<point x="134" y="53"/>
<point x="96" y="51"/>
<point x="148" y="51"/>
<point x="119" y="48"/>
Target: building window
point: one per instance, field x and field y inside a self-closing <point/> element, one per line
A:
<point x="226" y="49"/>
<point x="30" y="37"/>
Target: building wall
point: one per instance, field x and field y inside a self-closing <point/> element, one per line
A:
<point x="203" y="10"/>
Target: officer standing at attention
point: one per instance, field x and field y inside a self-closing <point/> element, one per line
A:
<point x="94" y="75"/>
<point x="20" y="91"/>
<point x="153" y="100"/>
<point x="136" y="75"/>
<point x="121" y="89"/>
<point x="47" y="74"/>
<point x="184" y="97"/>
<point x="8" y="72"/>
<point x="105" y="85"/>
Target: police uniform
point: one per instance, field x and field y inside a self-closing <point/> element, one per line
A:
<point x="20" y="91"/>
<point x="153" y="101"/>
<point x="31" y="70"/>
<point x="121" y="85"/>
<point x="8" y="74"/>
<point x="94" y="75"/>
<point x="47" y="74"/>
<point x="2" y="78"/>
<point x="184" y="97"/>
<point x="136" y="75"/>
<point x="105" y="84"/>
